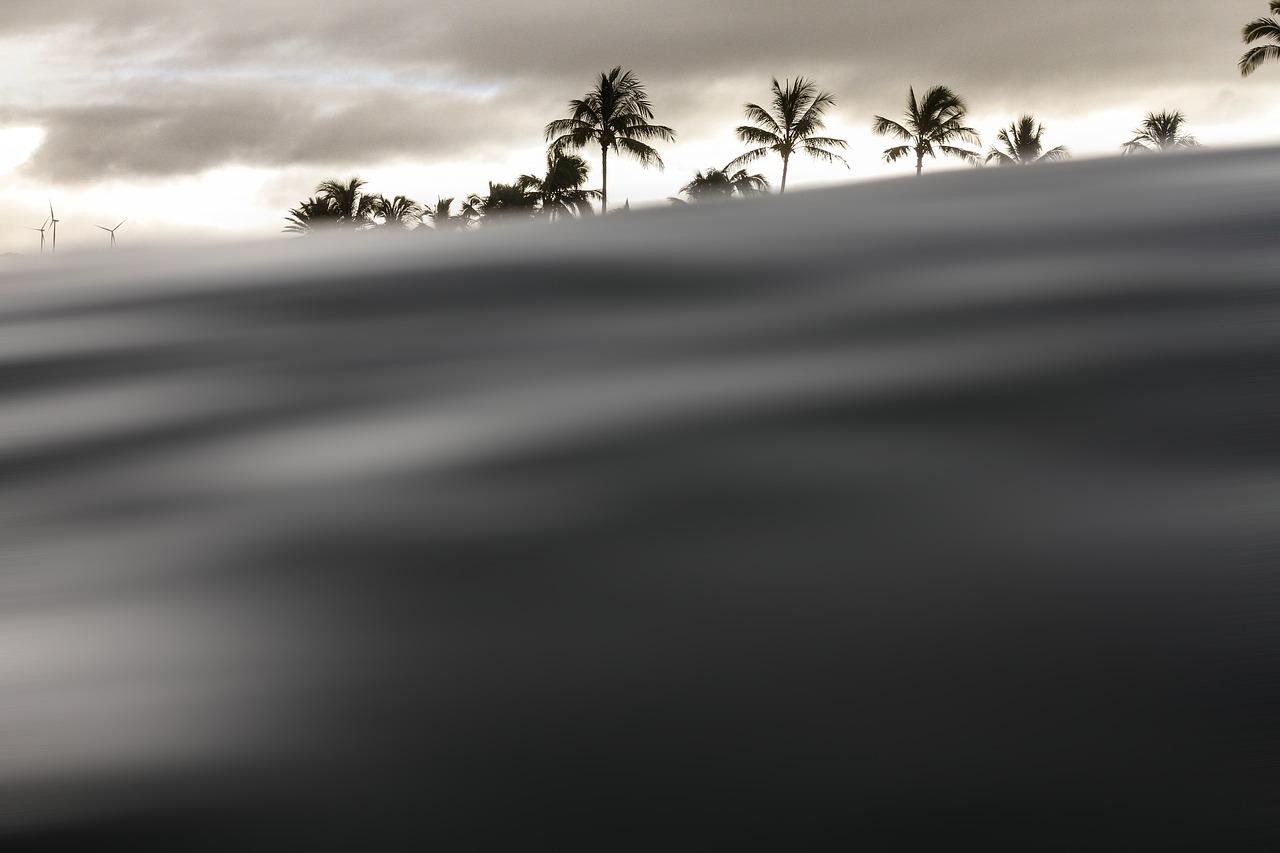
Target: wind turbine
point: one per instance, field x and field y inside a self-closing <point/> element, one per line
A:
<point x="54" y="249"/>
<point x="41" y="230"/>
<point x="112" y="231"/>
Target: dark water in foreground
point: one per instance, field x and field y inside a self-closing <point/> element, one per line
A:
<point x="906" y="516"/>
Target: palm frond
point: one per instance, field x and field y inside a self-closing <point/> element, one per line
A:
<point x="645" y="154"/>
<point x="826" y="142"/>
<point x="1260" y="28"/>
<point x="757" y="136"/>
<point x="892" y="155"/>
<point x="760" y="116"/>
<point x="749" y="157"/>
<point x="1059" y="153"/>
<point x="952" y="129"/>
<point x="1257" y="56"/>
<point x="887" y="127"/>
<point x="745" y="184"/>
<point x="824" y="155"/>
<point x="811" y="117"/>
<point x="964" y="154"/>
<point x="634" y="129"/>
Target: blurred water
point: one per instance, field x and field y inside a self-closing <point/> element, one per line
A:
<point x="905" y="514"/>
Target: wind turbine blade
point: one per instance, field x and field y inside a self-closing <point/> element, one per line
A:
<point x="103" y="227"/>
<point x="122" y="221"/>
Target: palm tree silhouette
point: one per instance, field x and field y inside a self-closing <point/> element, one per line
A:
<point x="441" y="217"/>
<point x="1022" y="144"/>
<point x="1255" y="30"/>
<point x="311" y="216"/>
<point x="560" y="192"/>
<point x="399" y="212"/>
<point x="472" y="210"/>
<point x="504" y="203"/>
<point x="1160" y="132"/>
<point x="791" y="125"/>
<point x="353" y="209"/>
<point x="932" y="124"/>
<point x="615" y="115"/>
<point x="719" y="185"/>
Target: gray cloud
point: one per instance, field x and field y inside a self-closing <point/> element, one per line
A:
<point x="160" y="129"/>
<point x="196" y="85"/>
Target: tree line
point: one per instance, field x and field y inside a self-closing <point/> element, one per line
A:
<point x="616" y="116"/>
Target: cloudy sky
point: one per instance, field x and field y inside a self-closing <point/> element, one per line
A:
<point x="203" y="120"/>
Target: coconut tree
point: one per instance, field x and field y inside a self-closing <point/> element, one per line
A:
<point x="1257" y="30"/>
<point x="719" y="185"/>
<point x="615" y="115"/>
<point x="311" y="216"/>
<point x="472" y="210"/>
<point x="441" y="217"/>
<point x="504" y="203"/>
<point x="353" y="208"/>
<point x="1022" y="145"/>
<point x="1160" y="131"/>
<point x="791" y="125"/>
<point x="399" y="212"/>
<point x="933" y="124"/>
<point x="560" y="192"/>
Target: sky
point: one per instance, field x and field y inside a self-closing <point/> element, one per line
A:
<point x="202" y="121"/>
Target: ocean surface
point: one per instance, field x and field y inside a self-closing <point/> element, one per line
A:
<point x="920" y="514"/>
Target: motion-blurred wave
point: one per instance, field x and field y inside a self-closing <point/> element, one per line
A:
<point x="906" y="514"/>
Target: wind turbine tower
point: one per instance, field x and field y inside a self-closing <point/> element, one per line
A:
<point x="53" y="219"/>
<point x="112" y="231"/>
<point x="41" y="230"/>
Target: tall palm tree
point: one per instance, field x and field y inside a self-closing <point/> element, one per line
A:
<point x="353" y="209"/>
<point x="560" y="192"/>
<point x="790" y="126"/>
<point x="399" y="212"/>
<point x="933" y="124"/>
<point x="615" y="115"/>
<point x="1022" y="144"/>
<point x="1255" y="30"/>
<point x="1160" y="131"/>
<point x="719" y="185"/>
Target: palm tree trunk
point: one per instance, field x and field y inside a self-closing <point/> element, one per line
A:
<point x="604" y="179"/>
<point x="919" y="161"/>
<point x="786" y="161"/>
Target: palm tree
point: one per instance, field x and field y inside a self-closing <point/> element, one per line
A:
<point x="353" y="210"/>
<point x="399" y="212"/>
<point x="441" y="217"/>
<point x="932" y="124"/>
<point x="472" y="210"/>
<point x="311" y="216"/>
<point x="504" y="203"/>
<point x="1260" y="28"/>
<point x="719" y="185"/>
<point x="1022" y="145"/>
<point x="614" y="115"/>
<point x="560" y="193"/>
<point x="792" y="125"/>
<point x="1160" y="132"/>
